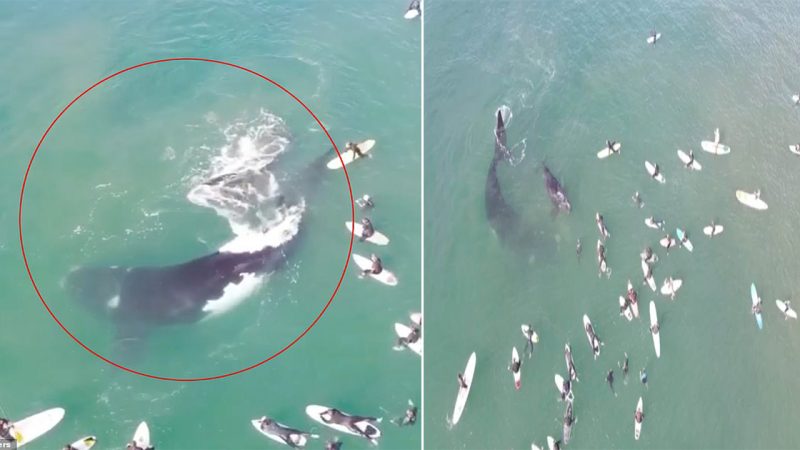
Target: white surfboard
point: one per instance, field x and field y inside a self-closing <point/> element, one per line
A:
<point x="634" y="306"/>
<point x="654" y="223"/>
<point x="685" y="158"/>
<point x="606" y="152"/>
<point x="637" y="426"/>
<point x="652" y="39"/>
<point x="559" y="380"/>
<point x="32" y="427"/>
<point x="413" y="10"/>
<point x="651" y="170"/>
<point x="752" y="200"/>
<point x="795" y="149"/>
<point x="653" y="322"/>
<point x="791" y="313"/>
<point x="299" y="441"/>
<point x="463" y="393"/>
<point x="625" y="308"/>
<point x="518" y="374"/>
<point x="416" y="318"/>
<point x="649" y="279"/>
<point x="348" y="156"/>
<point x="713" y="231"/>
<point x="84" y="443"/>
<point x="377" y="238"/>
<point x="142" y="435"/>
<point x="587" y="322"/>
<point x="384" y="277"/>
<point x="526" y="331"/>
<point x="551" y="443"/>
<point x="666" y="289"/>
<point x="405" y="331"/>
<point x="315" y="411"/>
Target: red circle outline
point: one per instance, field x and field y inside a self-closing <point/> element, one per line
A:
<point x="157" y="377"/>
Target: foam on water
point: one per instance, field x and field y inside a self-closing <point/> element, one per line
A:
<point x="238" y="185"/>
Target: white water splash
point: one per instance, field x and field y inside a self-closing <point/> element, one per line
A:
<point x="516" y="153"/>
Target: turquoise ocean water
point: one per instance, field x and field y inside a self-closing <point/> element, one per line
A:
<point x="113" y="184"/>
<point x="575" y="74"/>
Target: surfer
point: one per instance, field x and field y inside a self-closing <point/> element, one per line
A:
<point x="637" y="199"/>
<point x="367" y="230"/>
<point x="632" y="296"/>
<point x="377" y="266"/>
<point x="462" y="383"/>
<point x="409" y="339"/>
<point x="6" y="429"/>
<point x="610" y="145"/>
<point x="643" y="376"/>
<point x="653" y="36"/>
<point x="410" y="418"/>
<point x="656" y="171"/>
<point x="610" y="380"/>
<point x="786" y="308"/>
<point x="601" y="226"/>
<point x="514" y="366"/>
<point x="625" y="367"/>
<point x="669" y="239"/>
<point x="757" y="307"/>
<point x="290" y="437"/>
<point x="566" y="390"/>
<point x="334" y="416"/>
<point x="529" y="333"/>
<point x="655" y="328"/>
<point x="578" y="248"/>
<point x="623" y="307"/>
<point x="647" y="255"/>
<point x="335" y="444"/>
<point x="365" y="202"/>
<point x="353" y="147"/>
<point x="691" y="158"/>
<point x="638" y="416"/>
<point x="671" y="287"/>
<point x="684" y="238"/>
<point x="134" y="446"/>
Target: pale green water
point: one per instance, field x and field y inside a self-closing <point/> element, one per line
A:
<point x="109" y="187"/>
<point x="575" y="74"/>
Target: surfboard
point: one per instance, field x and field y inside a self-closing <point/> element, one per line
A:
<point x="559" y="380"/>
<point x="526" y="331"/>
<point x="518" y="374"/>
<point x="347" y="155"/>
<point x="377" y="238"/>
<point x="713" y="231"/>
<point x="606" y="152"/>
<point x="687" y="244"/>
<point x="299" y="442"/>
<point x="625" y="309"/>
<point x="463" y="393"/>
<point x="551" y="443"/>
<point x="384" y="277"/>
<point x="654" y="223"/>
<point x="416" y="318"/>
<point x="142" y="435"/>
<point x="587" y="322"/>
<point x="651" y="170"/>
<point x="634" y="306"/>
<point x="403" y="331"/>
<point x="791" y="313"/>
<point x="314" y="411"/>
<point x="413" y="10"/>
<point x="84" y="443"/>
<point x="795" y="149"/>
<point x="676" y="284"/>
<point x="685" y="158"/>
<point x="653" y="322"/>
<point x="754" y="297"/>
<point x="637" y="426"/>
<point x="751" y="200"/>
<point x="671" y="242"/>
<point x="652" y="39"/>
<point x="33" y="427"/>
<point x="649" y="280"/>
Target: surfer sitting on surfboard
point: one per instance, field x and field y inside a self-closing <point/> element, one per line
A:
<point x="638" y="416"/>
<point x="376" y="268"/>
<point x="353" y="147"/>
<point x="410" y="418"/>
<point x="6" y="429"/>
<point x="367" y="229"/>
<point x="410" y="339"/>
<point x="514" y="366"/>
<point x="289" y="436"/>
<point x="610" y="145"/>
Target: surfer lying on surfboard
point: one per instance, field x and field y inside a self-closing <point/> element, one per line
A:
<point x="410" y="339"/>
<point x="6" y="429"/>
<point x="461" y="382"/>
<point x="334" y="416"/>
<point x="377" y="267"/>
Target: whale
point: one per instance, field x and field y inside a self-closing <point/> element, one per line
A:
<point x="556" y="192"/>
<point x="139" y="299"/>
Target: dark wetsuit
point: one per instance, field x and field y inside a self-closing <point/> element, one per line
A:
<point x="367" y="229"/>
<point x="272" y="427"/>
<point x="337" y="417"/>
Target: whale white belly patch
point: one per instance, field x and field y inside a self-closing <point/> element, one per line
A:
<point x="233" y="294"/>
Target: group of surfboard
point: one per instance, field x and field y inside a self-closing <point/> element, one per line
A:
<point x="27" y="430"/>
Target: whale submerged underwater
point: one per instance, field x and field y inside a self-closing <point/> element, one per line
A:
<point x="266" y="226"/>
